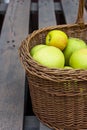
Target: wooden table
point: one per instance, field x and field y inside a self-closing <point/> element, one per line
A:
<point x="22" y="17"/>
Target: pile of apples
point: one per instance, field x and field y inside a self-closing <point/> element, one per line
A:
<point x="61" y="51"/>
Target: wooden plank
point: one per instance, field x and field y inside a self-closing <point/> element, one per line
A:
<point x="70" y="10"/>
<point x="31" y="123"/>
<point x="46" y="18"/>
<point x="44" y="127"/>
<point x="12" y="75"/>
<point x="3" y="8"/>
<point x="46" y="13"/>
<point x="57" y="6"/>
<point x="34" y="7"/>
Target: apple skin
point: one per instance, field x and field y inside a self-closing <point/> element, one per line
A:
<point x="57" y="38"/>
<point x="36" y="48"/>
<point x="73" y="45"/>
<point x="50" y="57"/>
<point x="68" y="67"/>
<point x="78" y="59"/>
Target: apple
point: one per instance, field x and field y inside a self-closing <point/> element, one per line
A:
<point x="36" y="48"/>
<point x="57" y="38"/>
<point x="67" y="67"/>
<point x="73" y="45"/>
<point x="50" y="57"/>
<point x="78" y="59"/>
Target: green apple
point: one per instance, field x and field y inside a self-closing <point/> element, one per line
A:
<point x="73" y="45"/>
<point x="57" y="38"/>
<point x="50" y="57"/>
<point x="36" y="48"/>
<point x="68" y="67"/>
<point x="78" y="59"/>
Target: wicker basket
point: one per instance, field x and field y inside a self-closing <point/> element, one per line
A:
<point x="59" y="96"/>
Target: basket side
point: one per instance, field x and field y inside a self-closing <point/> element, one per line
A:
<point x="53" y="107"/>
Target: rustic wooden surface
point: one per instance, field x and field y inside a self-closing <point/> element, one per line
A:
<point x="12" y="75"/>
<point x="46" y="13"/>
<point x="3" y="8"/>
<point x="70" y="10"/>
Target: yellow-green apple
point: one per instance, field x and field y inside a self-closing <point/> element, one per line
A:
<point x="50" y="57"/>
<point x="36" y="48"/>
<point x="73" y="45"/>
<point x="57" y="38"/>
<point x="78" y="59"/>
<point x="67" y="67"/>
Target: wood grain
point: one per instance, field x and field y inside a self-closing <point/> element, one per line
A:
<point x="46" y="13"/>
<point x="12" y="75"/>
<point x="70" y="10"/>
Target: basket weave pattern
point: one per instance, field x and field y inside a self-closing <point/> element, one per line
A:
<point x="59" y="97"/>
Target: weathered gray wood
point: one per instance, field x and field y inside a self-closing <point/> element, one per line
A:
<point x="31" y="123"/>
<point x="43" y="127"/>
<point x="70" y="10"/>
<point x="46" y="13"/>
<point x="34" y="7"/>
<point x="12" y="75"/>
<point x="57" y="6"/>
<point x="3" y="8"/>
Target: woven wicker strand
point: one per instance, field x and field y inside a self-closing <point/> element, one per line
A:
<point x="59" y="96"/>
